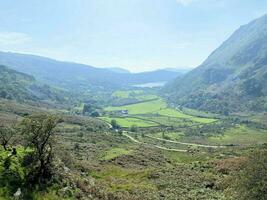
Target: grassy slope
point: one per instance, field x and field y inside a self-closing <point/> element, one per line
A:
<point x="158" y="107"/>
<point x="129" y="121"/>
<point x="241" y="135"/>
<point x="174" y="113"/>
<point x="141" y="108"/>
<point x="115" y="152"/>
<point x="123" y="166"/>
<point x="137" y="94"/>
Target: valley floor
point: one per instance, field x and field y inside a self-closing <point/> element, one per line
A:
<point x="156" y="152"/>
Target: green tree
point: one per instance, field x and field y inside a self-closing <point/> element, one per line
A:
<point x="114" y="124"/>
<point x="40" y="137"/>
<point x="95" y="114"/>
<point x="87" y="108"/>
<point x="7" y="133"/>
<point x="134" y="128"/>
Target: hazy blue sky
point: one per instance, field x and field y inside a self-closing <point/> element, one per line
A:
<point x="138" y="35"/>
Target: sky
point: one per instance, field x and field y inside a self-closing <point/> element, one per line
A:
<point x="138" y="35"/>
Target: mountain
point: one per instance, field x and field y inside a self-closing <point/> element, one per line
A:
<point x="119" y="70"/>
<point x="232" y="78"/>
<point x="75" y="76"/>
<point x="153" y="76"/>
<point x="178" y="70"/>
<point x="21" y="87"/>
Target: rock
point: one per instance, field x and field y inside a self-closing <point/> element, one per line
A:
<point x="66" y="169"/>
<point x="18" y="194"/>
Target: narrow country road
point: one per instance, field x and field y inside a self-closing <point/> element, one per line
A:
<point x="156" y="146"/>
<point x="185" y="143"/>
<point x="130" y="137"/>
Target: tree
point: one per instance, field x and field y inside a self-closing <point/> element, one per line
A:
<point x="87" y="108"/>
<point x="114" y="124"/>
<point x="134" y="128"/>
<point x="39" y="134"/>
<point x="6" y="135"/>
<point x="95" y="114"/>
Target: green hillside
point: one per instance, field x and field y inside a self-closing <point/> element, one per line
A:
<point x="74" y="76"/>
<point x="233" y="78"/>
<point x="21" y="87"/>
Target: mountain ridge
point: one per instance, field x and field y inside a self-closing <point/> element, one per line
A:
<point x="235" y="72"/>
<point x="22" y="87"/>
<point x="75" y="75"/>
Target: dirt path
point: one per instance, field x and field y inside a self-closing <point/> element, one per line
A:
<point x="156" y="146"/>
<point x="130" y="137"/>
<point x="185" y="143"/>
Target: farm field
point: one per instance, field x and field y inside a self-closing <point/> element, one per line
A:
<point x="137" y="94"/>
<point x="127" y="93"/>
<point x="157" y="109"/>
<point x="156" y="114"/>
<point x="129" y="121"/>
<point x="161" y="154"/>
<point x="174" y="113"/>
<point x="141" y="108"/>
<point x="125" y="106"/>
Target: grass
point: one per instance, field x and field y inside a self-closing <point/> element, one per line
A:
<point x="169" y="121"/>
<point x="66" y="126"/>
<point x="137" y="94"/>
<point x="240" y="135"/>
<point x="141" y="108"/>
<point x="48" y="195"/>
<point x="259" y="118"/>
<point x="170" y="135"/>
<point x="179" y="157"/>
<point x="199" y="113"/>
<point x="123" y="179"/>
<point x="127" y="122"/>
<point x="114" y="153"/>
<point x="174" y="113"/>
<point x="127" y="93"/>
<point x="158" y="107"/>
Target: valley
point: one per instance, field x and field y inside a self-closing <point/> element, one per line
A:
<point x="71" y="131"/>
<point x="130" y="151"/>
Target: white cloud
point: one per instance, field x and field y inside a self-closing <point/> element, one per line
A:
<point x="185" y="2"/>
<point x="13" y="38"/>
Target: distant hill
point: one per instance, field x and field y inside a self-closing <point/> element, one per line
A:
<point x="179" y="70"/>
<point x="78" y="76"/>
<point x="118" y="70"/>
<point x="233" y="78"/>
<point x="21" y="87"/>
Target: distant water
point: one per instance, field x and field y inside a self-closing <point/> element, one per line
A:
<point x="151" y="85"/>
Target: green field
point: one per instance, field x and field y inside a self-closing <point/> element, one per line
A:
<point x="141" y="108"/>
<point x="240" y="135"/>
<point x="115" y="152"/>
<point x="130" y="121"/>
<point x="137" y="94"/>
<point x="174" y="113"/>
<point x="169" y="121"/>
<point x="158" y="107"/>
<point x="168" y="135"/>
<point x="128" y="178"/>
<point x="127" y="93"/>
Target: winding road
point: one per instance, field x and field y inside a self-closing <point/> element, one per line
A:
<point x="124" y="133"/>
<point x="185" y="143"/>
<point x="156" y="146"/>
